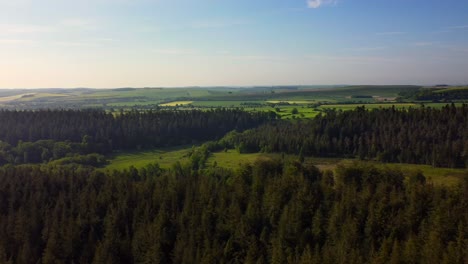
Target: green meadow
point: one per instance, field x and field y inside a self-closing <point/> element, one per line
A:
<point x="438" y="176"/>
<point x="139" y="159"/>
<point x="231" y="159"/>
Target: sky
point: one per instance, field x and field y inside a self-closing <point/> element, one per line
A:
<point x="166" y="43"/>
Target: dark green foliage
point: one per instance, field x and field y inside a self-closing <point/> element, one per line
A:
<point x="436" y="94"/>
<point x="101" y="132"/>
<point x="48" y="150"/>
<point x="437" y="137"/>
<point x="267" y="212"/>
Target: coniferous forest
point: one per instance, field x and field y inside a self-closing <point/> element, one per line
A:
<point x="233" y="132"/>
<point x="437" y="137"/>
<point x="44" y="135"/>
<point x="270" y="211"/>
<point x="124" y="130"/>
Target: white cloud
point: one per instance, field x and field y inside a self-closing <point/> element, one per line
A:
<point x="24" y="29"/>
<point x="367" y="48"/>
<point x="218" y="23"/>
<point x="458" y="27"/>
<point x="257" y="57"/>
<point x="390" y="33"/>
<point x="353" y="59"/>
<point x="77" y="23"/>
<point x="75" y="44"/>
<point x="175" y="51"/>
<point x="64" y="25"/>
<point x="422" y="44"/>
<point x="319" y="3"/>
<point x="16" y="41"/>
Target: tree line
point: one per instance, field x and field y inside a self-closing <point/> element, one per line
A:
<point x="268" y="212"/>
<point x="436" y="94"/>
<point x="98" y="131"/>
<point x="425" y="135"/>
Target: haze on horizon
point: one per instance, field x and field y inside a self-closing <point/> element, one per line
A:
<point x="162" y="43"/>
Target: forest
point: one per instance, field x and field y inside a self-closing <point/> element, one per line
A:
<point x="45" y="135"/>
<point x="436" y="94"/>
<point x="58" y="206"/>
<point x="437" y="137"/>
<point x="267" y="212"/>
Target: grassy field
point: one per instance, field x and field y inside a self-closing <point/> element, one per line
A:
<point x="439" y="176"/>
<point x="165" y="157"/>
<point x="232" y="159"/>
<point x="346" y="107"/>
<point x="459" y="88"/>
<point x="13" y="97"/>
<point x="293" y="102"/>
<point x="222" y="103"/>
<point x="286" y="112"/>
<point x="177" y="103"/>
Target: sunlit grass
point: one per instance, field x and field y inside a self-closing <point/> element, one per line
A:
<point x="176" y="103"/>
<point x="438" y="176"/>
<point x="165" y="157"/>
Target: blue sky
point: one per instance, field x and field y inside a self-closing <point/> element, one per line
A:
<point x="119" y="43"/>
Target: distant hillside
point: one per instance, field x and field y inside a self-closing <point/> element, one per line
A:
<point x="437" y="94"/>
<point x="152" y="97"/>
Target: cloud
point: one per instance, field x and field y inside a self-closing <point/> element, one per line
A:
<point x="218" y="23"/>
<point x="77" y="23"/>
<point x="390" y="33"/>
<point x="353" y="59"/>
<point x="16" y="41"/>
<point x="459" y="27"/>
<point x="24" y="29"/>
<point x="367" y="48"/>
<point x="319" y="3"/>
<point x="175" y="51"/>
<point x="64" y="25"/>
<point x="450" y="29"/>
<point x="75" y="44"/>
<point x="252" y="57"/>
<point x="422" y="44"/>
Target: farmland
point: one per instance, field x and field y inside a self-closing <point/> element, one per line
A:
<point x="130" y="96"/>
<point x="308" y="100"/>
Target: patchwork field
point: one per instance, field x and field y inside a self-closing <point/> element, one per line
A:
<point x="203" y="97"/>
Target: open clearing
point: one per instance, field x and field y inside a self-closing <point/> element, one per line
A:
<point x="35" y="96"/>
<point x="14" y="97"/>
<point x="292" y="102"/>
<point x="232" y="159"/>
<point x="223" y="103"/>
<point x="439" y="176"/>
<point x="346" y="107"/>
<point x="139" y="159"/>
<point x="286" y="112"/>
<point x="176" y="103"/>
